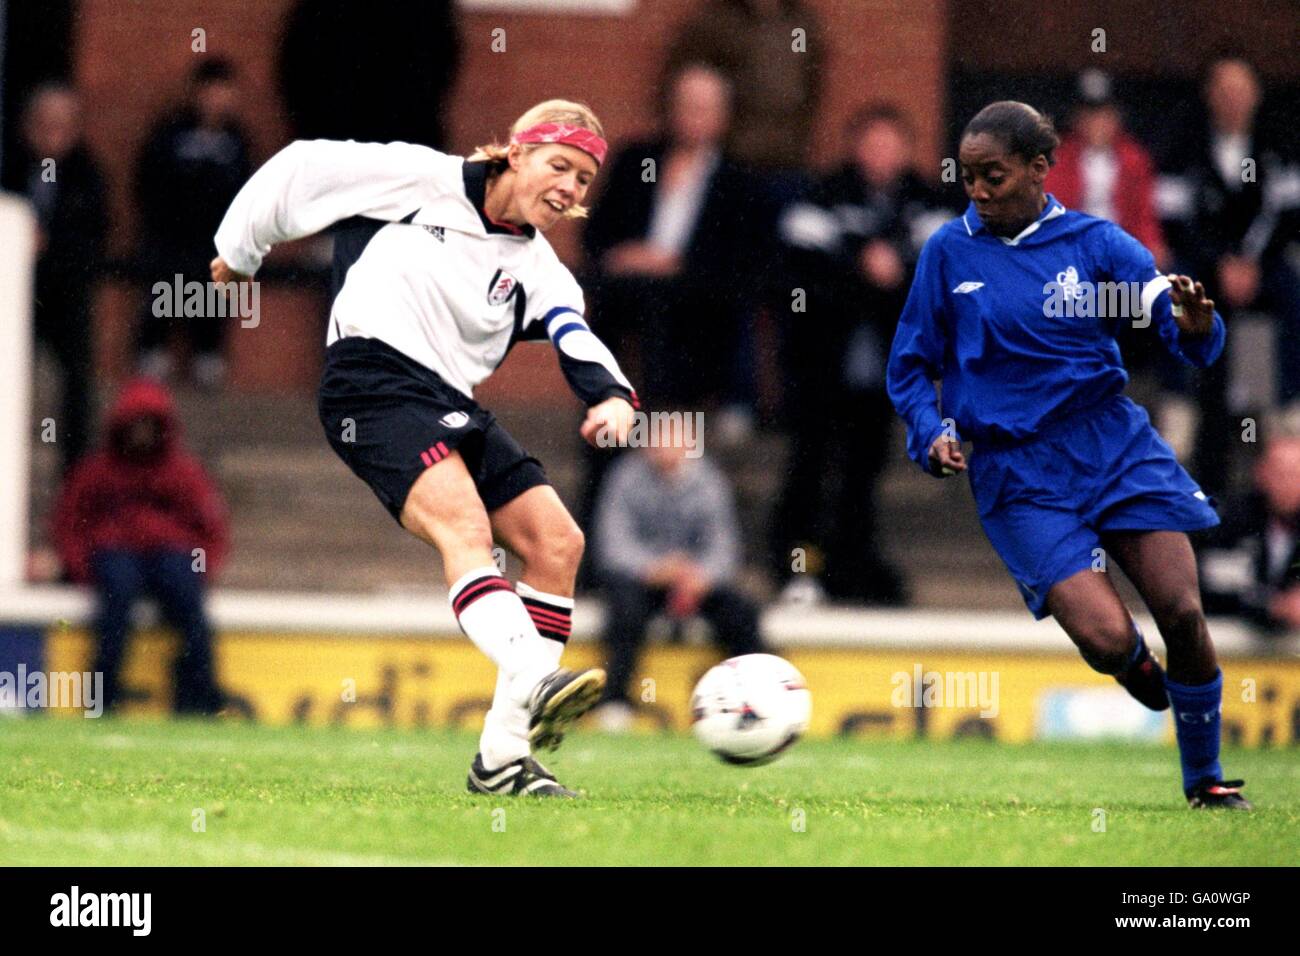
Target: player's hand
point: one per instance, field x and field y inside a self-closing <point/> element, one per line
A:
<point x="221" y="271"/>
<point x="1198" y="309"/>
<point x="946" y="457"/>
<point x="608" y="423"/>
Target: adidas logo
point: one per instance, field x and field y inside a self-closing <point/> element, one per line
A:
<point x="966" y="287"/>
<point x="438" y="232"/>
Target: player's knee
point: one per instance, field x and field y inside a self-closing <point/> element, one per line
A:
<point x="561" y="551"/>
<point x="452" y="531"/>
<point x="1107" y="645"/>
<point x="1182" y="618"/>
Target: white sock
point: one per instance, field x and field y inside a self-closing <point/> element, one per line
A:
<point x="505" y="729"/>
<point x="493" y="617"/>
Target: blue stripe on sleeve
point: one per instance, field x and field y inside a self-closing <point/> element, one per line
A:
<point x="559" y="309"/>
<point x="565" y="329"/>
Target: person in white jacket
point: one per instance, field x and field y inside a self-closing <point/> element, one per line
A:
<point x="440" y="267"/>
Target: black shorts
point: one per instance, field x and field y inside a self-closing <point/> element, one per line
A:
<point x="389" y="418"/>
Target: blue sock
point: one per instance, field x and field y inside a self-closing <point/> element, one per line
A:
<point x="1196" y="724"/>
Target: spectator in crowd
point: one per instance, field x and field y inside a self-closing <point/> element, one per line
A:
<point x="1251" y="564"/>
<point x="67" y="193"/>
<point x="140" y="516"/>
<point x="1103" y="171"/>
<point x="667" y="538"/>
<point x="853" y="245"/>
<point x="1232" y="205"/>
<point x="190" y="168"/>
<point x="773" y="52"/>
<point x="667" y="246"/>
<point x="776" y="73"/>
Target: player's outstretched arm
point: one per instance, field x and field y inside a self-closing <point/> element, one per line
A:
<point x="312" y="184"/>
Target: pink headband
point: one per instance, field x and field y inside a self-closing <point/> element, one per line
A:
<point x="583" y="139"/>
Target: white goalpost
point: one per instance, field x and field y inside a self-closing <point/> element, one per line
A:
<point x="17" y="261"/>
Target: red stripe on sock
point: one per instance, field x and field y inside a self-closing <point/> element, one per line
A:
<point x="545" y="615"/>
<point x="443" y="449"/>
<point x="476" y="589"/>
<point x="424" y="457"/>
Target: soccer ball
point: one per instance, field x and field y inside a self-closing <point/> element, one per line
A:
<point x="750" y="708"/>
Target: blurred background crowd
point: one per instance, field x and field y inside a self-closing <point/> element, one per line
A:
<point x="777" y="166"/>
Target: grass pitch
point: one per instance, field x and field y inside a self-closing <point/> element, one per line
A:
<point x="129" y="792"/>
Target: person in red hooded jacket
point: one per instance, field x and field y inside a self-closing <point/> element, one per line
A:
<point x="1103" y="171"/>
<point x="139" y="516"/>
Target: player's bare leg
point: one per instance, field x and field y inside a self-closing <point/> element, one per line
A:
<point x="1089" y="609"/>
<point x="443" y="509"/>
<point x="1162" y="567"/>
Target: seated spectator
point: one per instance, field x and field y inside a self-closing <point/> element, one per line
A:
<point x="191" y="166"/>
<point x="666" y="538"/>
<point x="853" y="245"/>
<point x="140" y="516"/>
<point x="67" y="194"/>
<point x="1251" y="567"/>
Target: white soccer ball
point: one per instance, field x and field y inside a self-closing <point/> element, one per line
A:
<point x="748" y="709"/>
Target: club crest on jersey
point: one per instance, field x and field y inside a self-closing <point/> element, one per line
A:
<point x="1069" y="283"/>
<point x="502" y="287"/>
<point x="454" y="419"/>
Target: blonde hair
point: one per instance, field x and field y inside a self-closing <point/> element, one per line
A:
<point x="548" y="111"/>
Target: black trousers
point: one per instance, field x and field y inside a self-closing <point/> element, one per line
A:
<point x="629" y="606"/>
<point x="63" y="325"/>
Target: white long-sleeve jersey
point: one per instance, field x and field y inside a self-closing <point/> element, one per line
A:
<point x="417" y="263"/>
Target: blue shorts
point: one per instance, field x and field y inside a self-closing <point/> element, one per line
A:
<point x="1045" y="503"/>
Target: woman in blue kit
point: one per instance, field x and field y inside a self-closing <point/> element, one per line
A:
<point x="1014" y="310"/>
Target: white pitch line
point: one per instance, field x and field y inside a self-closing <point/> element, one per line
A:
<point x="205" y="847"/>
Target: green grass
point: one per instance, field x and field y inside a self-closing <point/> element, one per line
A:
<point x="114" y="792"/>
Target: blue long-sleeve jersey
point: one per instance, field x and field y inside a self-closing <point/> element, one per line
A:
<point x="1021" y="332"/>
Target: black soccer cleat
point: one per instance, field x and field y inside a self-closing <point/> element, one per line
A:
<point x="559" y="699"/>
<point x="523" y="776"/>
<point x="1225" y="794"/>
<point x="1145" y="681"/>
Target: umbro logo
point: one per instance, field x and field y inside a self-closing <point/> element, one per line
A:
<point x="438" y="232"/>
<point x="968" y="287"/>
